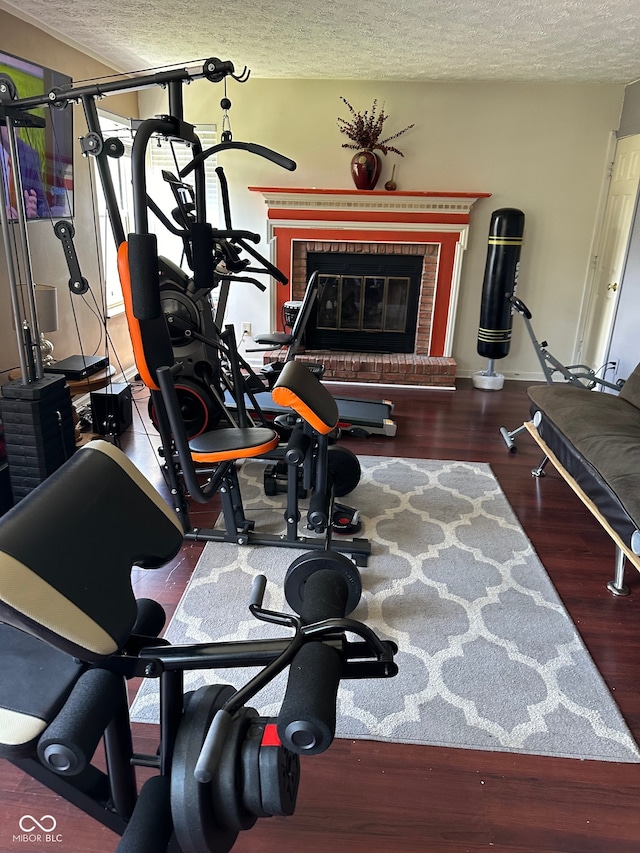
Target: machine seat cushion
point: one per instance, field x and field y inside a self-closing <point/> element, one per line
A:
<point x="67" y="550"/>
<point x="228" y="444"/>
<point x="35" y="681"/>
<point x="298" y="389"/>
<point x="274" y="339"/>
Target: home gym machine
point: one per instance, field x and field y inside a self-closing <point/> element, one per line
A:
<point x="36" y="409"/>
<point x="553" y="370"/>
<point x="185" y="312"/>
<point x="214" y="257"/>
<point x="324" y="472"/>
<point x="68" y="611"/>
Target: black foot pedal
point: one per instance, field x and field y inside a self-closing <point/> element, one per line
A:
<point x="345" y="520"/>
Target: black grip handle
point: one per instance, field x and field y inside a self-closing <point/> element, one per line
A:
<point x="269" y="267"/>
<point x="67" y="745"/>
<point x="224" y="192"/>
<point x="307" y="718"/>
<point x="274" y="156"/>
<point x="297" y="447"/>
<point x="318" y="512"/>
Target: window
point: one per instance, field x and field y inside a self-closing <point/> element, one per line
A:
<point x="171" y="156"/>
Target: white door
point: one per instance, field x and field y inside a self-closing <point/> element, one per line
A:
<point x="624" y="349"/>
<point x="612" y="249"/>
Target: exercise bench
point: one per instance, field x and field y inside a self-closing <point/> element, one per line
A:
<point x="72" y="634"/>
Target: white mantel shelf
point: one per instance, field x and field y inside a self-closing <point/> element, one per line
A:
<point x="375" y="201"/>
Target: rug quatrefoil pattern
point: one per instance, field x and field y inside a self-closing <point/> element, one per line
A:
<point x="488" y="656"/>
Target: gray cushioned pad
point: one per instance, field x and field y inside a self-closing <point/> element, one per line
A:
<point x="603" y="431"/>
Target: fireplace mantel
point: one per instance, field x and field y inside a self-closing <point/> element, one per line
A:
<point x="381" y="221"/>
<point x="413" y="206"/>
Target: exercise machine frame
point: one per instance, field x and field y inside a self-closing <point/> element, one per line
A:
<point x="576" y="374"/>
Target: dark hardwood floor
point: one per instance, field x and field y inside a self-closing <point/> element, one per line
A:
<point x="369" y="797"/>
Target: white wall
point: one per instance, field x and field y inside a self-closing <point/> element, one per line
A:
<point x="538" y="147"/>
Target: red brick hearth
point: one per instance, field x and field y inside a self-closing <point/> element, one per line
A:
<point x="433" y="225"/>
<point x="385" y="368"/>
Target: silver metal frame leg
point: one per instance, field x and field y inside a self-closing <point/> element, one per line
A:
<point x="539" y="471"/>
<point x="509" y="436"/>
<point x="617" y="585"/>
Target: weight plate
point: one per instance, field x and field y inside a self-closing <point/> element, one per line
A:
<point x="191" y="802"/>
<point x="226" y="786"/>
<point x="344" y="469"/>
<point x="279" y="778"/>
<point x="314" y="561"/>
<point x="250" y="758"/>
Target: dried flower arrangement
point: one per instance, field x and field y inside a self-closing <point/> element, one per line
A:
<point x="364" y="129"/>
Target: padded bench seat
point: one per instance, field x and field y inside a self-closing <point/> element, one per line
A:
<point x="29" y="697"/>
<point x="593" y="439"/>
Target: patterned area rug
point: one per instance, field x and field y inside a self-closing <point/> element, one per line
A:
<point x="489" y="658"/>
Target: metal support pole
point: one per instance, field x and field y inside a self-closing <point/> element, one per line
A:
<point x="93" y="123"/>
<point x="32" y="319"/>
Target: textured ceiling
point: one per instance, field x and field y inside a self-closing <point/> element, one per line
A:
<point x="537" y="40"/>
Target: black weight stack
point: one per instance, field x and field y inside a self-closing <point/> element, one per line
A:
<point x="38" y="430"/>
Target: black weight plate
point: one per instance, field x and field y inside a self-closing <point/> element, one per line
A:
<point x="191" y="801"/>
<point x="344" y="469"/>
<point x="279" y="779"/>
<point x="314" y="561"/>
<point x="226" y="786"/>
<point x="250" y="759"/>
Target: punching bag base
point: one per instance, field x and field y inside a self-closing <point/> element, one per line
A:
<point x="488" y="381"/>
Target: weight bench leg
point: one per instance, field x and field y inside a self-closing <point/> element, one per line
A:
<point x="617" y="586"/>
<point x="508" y="437"/>
<point x="539" y="471"/>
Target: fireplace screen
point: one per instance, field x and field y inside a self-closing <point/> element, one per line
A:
<point x="366" y="302"/>
<point x="362" y="303"/>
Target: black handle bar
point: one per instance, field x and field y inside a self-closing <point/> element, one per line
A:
<point x="224" y="191"/>
<point x="226" y="206"/>
<point x="271" y="268"/>
<point x="520" y="307"/>
<point x="251" y="147"/>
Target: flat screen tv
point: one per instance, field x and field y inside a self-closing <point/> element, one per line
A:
<point x="45" y="153"/>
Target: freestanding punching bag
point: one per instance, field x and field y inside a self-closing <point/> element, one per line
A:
<point x="500" y="281"/>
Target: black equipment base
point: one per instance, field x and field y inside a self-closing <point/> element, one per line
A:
<point x="358" y="549"/>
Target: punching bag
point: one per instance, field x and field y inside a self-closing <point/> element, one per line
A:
<point x="500" y="280"/>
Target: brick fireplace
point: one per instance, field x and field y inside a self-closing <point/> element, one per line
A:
<point x="431" y="226"/>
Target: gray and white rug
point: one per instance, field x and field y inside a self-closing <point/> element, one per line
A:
<point x="489" y="658"/>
